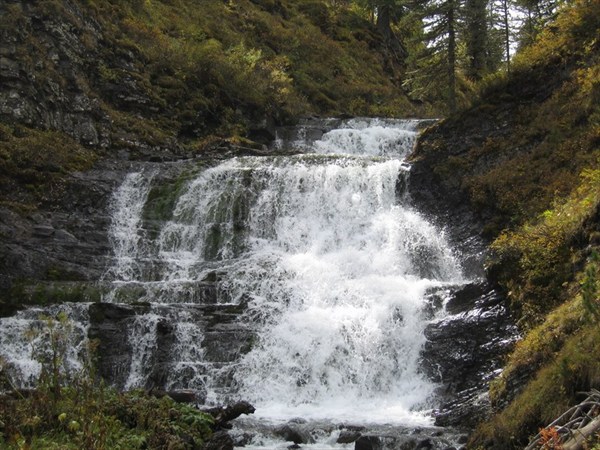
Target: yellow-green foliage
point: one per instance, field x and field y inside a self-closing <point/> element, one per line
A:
<point x="572" y="34"/>
<point x="96" y="417"/>
<point x="533" y="173"/>
<point x="33" y="163"/>
<point x="550" y="102"/>
<point x="186" y="69"/>
<point x="573" y="368"/>
<point x="539" y="258"/>
<point x="550" y="144"/>
<point x="223" y="61"/>
<point x="539" y="345"/>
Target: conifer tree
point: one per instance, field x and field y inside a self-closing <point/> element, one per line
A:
<point x="477" y="39"/>
<point x="434" y="71"/>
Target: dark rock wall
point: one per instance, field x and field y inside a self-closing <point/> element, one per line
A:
<point x="45" y="70"/>
<point x="67" y="241"/>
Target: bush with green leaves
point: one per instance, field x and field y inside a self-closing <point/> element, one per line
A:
<point x="77" y="410"/>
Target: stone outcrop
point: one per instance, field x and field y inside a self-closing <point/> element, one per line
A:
<point x="61" y="101"/>
<point x="67" y="242"/>
<point x="223" y="340"/>
<point x="465" y="350"/>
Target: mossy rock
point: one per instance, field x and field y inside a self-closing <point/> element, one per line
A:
<point x="51" y="292"/>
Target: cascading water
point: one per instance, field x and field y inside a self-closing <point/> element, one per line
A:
<point x="126" y="230"/>
<point x="319" y="273"/>
<point x="29" y="338"/>
<point x="330" y="266"/>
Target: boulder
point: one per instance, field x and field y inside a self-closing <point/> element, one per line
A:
<point x="294" y="433"/>
<point x="368" y="443"/>
<point x="465" y="350"/>
<point x="219" y="441"/>
<point x="348" y="436"/>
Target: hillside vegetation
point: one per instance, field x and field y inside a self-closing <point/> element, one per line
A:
<point x="526" y="156"/>
<point x="163" y="79"/>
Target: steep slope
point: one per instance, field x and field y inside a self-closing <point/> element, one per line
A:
<point x="525" y="159"/>
<point x="155" y="79"/>
<point x="96" y="83"/>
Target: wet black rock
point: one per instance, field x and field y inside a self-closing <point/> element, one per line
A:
<point x="224" y="414"/>
<point x="425" y="444"/>
<point x="368" y="443"/>
<point x="295" y="433"/>
<point x="348" y="436"/>
<point x="220" y="440"/>
<point x="179" y="395"/>
<point x="108" y="325"/>
<point x="465" y="350"/>
<point x="58" y="252"/>
<point x="224" y="340"/>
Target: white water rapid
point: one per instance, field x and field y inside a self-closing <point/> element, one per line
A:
<point x="329" y="263"/>
<point x="297" y="283"/>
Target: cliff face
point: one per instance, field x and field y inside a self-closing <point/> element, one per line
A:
<point x="86" y="87"/>
<point x="43" y="59"/>
<point x="522" y="166"/>
<point x="151" y="75"/>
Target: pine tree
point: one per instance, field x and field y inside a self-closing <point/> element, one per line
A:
<point x="434" y="72"/>
<point x="477" y="39"/>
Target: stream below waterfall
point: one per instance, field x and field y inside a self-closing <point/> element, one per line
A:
<point x="301" y="283"/>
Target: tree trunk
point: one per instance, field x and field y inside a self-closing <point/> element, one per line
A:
<point x="477" y="38"/>
<point x="506" y="34"/>
<point x="384" y="26"/>
<point x="451" y="56"/>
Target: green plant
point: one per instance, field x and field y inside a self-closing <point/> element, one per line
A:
<point x="590" y="287"/>
<point x="77" y="410"/>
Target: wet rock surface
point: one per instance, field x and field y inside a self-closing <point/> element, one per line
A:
<point x="465" y="350"/>
<point x="59" y="248"/>
<point x="255" y="432"/>
<point x="66" y="242"/>
<point x="220" y="440"/>
<point x="223" y="341"/>
<point x="296" y="433"/>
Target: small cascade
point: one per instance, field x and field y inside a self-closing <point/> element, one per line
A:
<point x="126" y="229"/>
<point x="299" y="283"/>
<point x="372" y="137"/>
<point x="28" y="339"/>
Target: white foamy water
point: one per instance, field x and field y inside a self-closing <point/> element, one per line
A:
<point x="322" y="269"/>
<point x="27" y="340"/>
<point x="331" y="265"/>
<point x="369" y="137"/>
<point x="126" y="228"/>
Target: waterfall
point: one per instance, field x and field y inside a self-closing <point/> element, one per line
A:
<point x="328" y="263"/>
<point x="25" y="341"/>
<point x="298" y="283"/>
<point x="126" y="230"/>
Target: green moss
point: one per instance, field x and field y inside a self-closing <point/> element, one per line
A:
<point x="34" y="164"/>
<point x="46" y="293"/>
<point x="572" y="369"/>
<point x="162" y="199"/>
<point x="129" y="293"/>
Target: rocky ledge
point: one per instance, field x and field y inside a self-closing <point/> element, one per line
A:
<point x="464" y="351"/>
